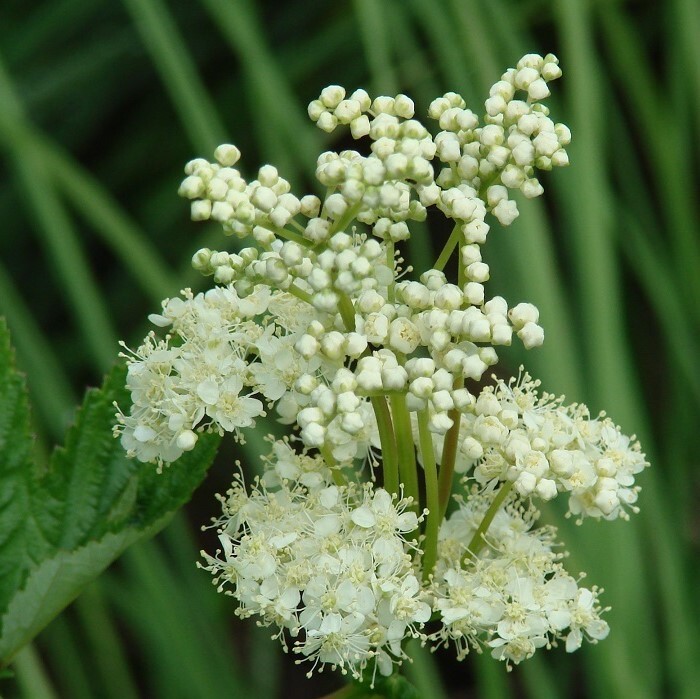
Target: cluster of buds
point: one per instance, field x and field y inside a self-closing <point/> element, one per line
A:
<point x="318" y="319"/>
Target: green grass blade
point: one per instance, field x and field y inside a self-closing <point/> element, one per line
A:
<point x="445" y="44"/>
<point x="239" y="24"/>
<point x="492" y="681"/>
<point x="110" y="223"/>
<point x="50" y="390"/>
<point x="179" y="74"/>
<point x="57" y="234"/>
<point x="654" y="272"/>
<point x="48" y="22"/>
<point x="671" y="169"/>
<point x="530" y="241"/>
<point x="62" y="245"/>
<point x="63" y="652"/>
<point x="371" y="17"/>
<point x="609" y="374"/>
<point x="185" y="654"/>
<point x="31" y="676"/>
<point x="108" y="649"/>
<point x="423" y="673"/>
<point x="685" y="29"/>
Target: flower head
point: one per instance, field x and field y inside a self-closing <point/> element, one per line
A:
<point x="316" y="318"/>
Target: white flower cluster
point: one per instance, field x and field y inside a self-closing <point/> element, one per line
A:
<point x="516" y="596"/>
<point x="318" y="317"/>
<point x="222" y="351"/>
<point x="517" y="137"/>
<point x="331" y="566"/>
<point x="351" y="279"/>
<point x="327" y="563"/>
<point x="545" y="447"/>
<point x="220" y="192"/>
<point x="481" y="162"/>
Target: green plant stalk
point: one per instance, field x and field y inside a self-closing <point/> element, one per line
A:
<point x="31" y="675"/>
<point x="390" y="264"/>
<point x="447" y="462"/>
<point x="461" y="272"/>
<point x="347" y="312"/>
<point x="285" y="233"/>
<point x="408" y="468"/>
<point x="390" y="458"/>
<point x="299" y="293"/>
<point x="327" y="454"/>
<point x="432" y="501"/>
<point x="447" y="251"/>
<point x="346" y="219"/>
<point x="478" y="541"/>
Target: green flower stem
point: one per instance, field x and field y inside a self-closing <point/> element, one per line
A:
<point x="285" y="233"/>
<point x="450" y="245"/>
<point x="432" y="525"/>
<point x="381" y="391"/>
<point x="447" y="463"/>
<point x="461" y="273"/>
<point x="347" y="312"/>
<point x="478" y="541"/>
<point x="390" y="458"/>
<point x="344" y="221"/>
<point x="327" y="454"/>
<point x="300" y="228"/>
<point x="390" y="265"/>
<point x="299" y="293"/>
<point x="408" y="470"/>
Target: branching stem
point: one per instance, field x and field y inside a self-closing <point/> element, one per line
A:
<point x="478" y="540"/>
<point x="432" y="525"/>
<point x="390" y="459"/>
<point x="450" y="245"/>
<point x="408" y="469"/>
<point x="447" y="463"/>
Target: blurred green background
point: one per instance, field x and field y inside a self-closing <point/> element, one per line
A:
<point x="101" y="104"/>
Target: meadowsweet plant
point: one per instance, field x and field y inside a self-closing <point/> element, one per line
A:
<point x="403" y="502"/>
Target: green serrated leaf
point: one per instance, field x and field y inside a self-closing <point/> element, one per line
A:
<point x="15" y="465"/>
<point x="61" y="529"/>
<point x="53" y="584"/>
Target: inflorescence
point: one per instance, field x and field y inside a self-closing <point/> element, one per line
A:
<point x="318" y="321"/>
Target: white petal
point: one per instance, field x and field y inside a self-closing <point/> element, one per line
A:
<point x="331" y="623"/>
<point x="208" y="391"/>
<point x="407" y="522"/>
<point x="363" y="517"/>
<point x="573" y="641"/>
<point x="382" y="501"/>
<point x="598" y="629"/>
<point x="329" y="497"/>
